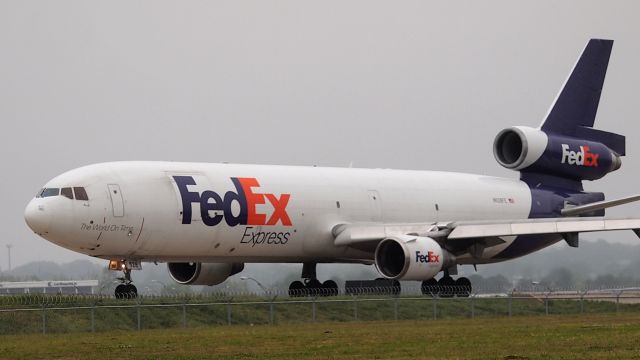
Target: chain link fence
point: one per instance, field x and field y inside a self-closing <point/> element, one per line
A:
<point x="21" y="314"/>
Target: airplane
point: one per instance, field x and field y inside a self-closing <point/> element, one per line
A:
<point x="206" y="220"/>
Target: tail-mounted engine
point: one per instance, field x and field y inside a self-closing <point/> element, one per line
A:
<point x="534" y="151"/>
<point x="411" y="258"/>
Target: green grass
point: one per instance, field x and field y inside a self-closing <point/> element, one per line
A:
<point x="555" y="336"/>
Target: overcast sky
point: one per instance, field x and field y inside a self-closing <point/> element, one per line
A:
<point x="392" y="84"/>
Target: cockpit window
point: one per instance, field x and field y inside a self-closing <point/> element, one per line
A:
<point x="81" y="193"/>
<point x="67" y="192"/>
<point x="46" y="192"/>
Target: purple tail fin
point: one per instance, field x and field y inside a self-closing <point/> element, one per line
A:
<point x="574" y="112"/>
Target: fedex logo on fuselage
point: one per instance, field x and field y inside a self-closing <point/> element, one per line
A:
<point x="429" y="257"/>
<point x="246" y="196"/>
<point x="581" y="158"/>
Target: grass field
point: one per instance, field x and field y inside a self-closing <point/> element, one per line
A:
<point x="565" y="336"/>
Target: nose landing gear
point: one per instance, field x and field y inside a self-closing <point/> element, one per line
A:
<point x="126" y="290"/>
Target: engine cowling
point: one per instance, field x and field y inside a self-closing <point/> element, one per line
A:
<point x="203" y="273"/>
<point x="532" y="150"/>
<point x="411" y="258"/>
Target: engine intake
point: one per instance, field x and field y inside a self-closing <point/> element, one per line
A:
<point x="203" y="273"/>
<point x="411" y="258"/>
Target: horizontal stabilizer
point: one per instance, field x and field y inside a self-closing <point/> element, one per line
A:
<point x="615" y="142"/>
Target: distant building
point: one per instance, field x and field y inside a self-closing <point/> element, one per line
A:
<point x="49" y="287"/>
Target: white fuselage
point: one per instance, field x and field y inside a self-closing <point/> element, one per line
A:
<point x="135" y="209"/>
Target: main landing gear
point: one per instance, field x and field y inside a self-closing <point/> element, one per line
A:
<point x="447" y="287"/>
<point x="311" y="286"/>
<point x="126" y="290"/>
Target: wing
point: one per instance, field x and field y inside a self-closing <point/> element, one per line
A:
<point x="486" y="232"/>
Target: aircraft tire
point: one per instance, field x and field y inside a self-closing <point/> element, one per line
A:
<point x="132" y="291"/>
<point x="396" y="288"/>
<point x="330" y="288"/>
<point x="447" y="287"/>
<point x="463" y="287"/>
<point x="120" y="291"/>
<point x="430" y="287"/>
<point x="313" y="288"/>
<point x="296" y="289"/>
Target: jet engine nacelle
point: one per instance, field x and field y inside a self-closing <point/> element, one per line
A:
<point x="408" y="257"/>
<point x="203" y="273"/>
<point x="532" y="150"/>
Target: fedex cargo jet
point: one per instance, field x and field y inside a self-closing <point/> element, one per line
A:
<point x="207" y="220"/>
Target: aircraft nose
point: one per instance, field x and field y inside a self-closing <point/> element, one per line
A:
<point x="37" y="217"/>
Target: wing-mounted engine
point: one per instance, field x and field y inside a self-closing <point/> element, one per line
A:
<point x="203" y="273"/>
<point x="534" y="151"/>
<point x="407" y="257"/>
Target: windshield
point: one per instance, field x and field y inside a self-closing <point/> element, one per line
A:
<point x="80" y="192"/>
<point x="46" y="192"/>
<point x="67" y="192"/>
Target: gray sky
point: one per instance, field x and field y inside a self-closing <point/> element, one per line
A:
<point x="393" y="84"/>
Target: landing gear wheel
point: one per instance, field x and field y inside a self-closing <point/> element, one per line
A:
<point x="430" y="287"/>
<point x="121" y="291"/>
<point x="446" y="285"/>
<point x="463" y="287"/>
<point x="296" y="289"/>
<point x="395" y="288"/>
<point x="313" y="287"/>
<point x="126" y="291"/>
<point x="132" y="291"/>
<point x="330" y="288"/>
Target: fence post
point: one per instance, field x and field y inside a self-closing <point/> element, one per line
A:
<point x="509" y="302"/>
<point x="271" y="312"/>
<point x="44" y="318"/>
<point x="395" y="308"/>
<point x="355" y="307"/>
<point x="229" y="312"/>
<point x="618" y="293"/>
<point x="582" y="294"/>
<point x="546" y="304"/>
<point x="184" y="315"/>
<point x="93" y="317"/>
<point x="138" y="315"/>
<point x="313" y="308"/>
<point x="473" y="308"/>
<point x="434" y="300"/>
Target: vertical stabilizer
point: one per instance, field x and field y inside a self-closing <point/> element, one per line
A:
<point x="577" y="103"/>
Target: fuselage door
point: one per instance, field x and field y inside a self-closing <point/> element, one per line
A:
<point x="117" y="203"/>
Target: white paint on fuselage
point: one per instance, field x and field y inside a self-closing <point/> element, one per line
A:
<point x="151" y="228"/>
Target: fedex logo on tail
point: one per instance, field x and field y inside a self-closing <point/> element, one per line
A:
<point x="584" y="157"/>
<point x="214" y="208"/>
